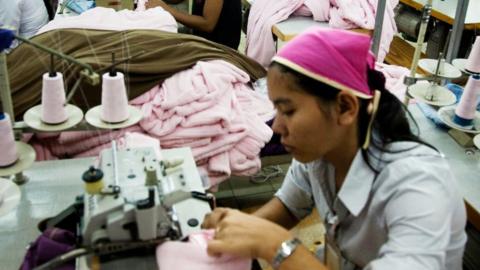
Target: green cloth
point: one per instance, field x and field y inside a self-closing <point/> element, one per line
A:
<point x="164" y="55"/>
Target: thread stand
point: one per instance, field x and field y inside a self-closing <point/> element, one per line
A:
<point x="26" y="157"/>
<point x="129" y="115"/>
<point x="433" y="93"/>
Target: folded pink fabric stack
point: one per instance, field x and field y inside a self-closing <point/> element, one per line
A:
<point x="209" y="108"/>
<point x="193" y="255"/>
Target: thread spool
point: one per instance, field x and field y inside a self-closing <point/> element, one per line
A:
<point x="8" y="147"/>
<point x="93" y="179"/>
<point x="53" y="99"/>
<point x="465" y="111"/>
<point x="473" y="62"/>
<point x="114" y="98"/>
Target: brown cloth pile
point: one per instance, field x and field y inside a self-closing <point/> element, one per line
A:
<point x="164" y="55"/>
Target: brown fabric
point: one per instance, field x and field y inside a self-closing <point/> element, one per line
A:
<point x="164" y="54"/>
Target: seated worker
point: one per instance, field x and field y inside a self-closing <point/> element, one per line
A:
<point x="25" y="17"/>
<point x="388" y="200"/>
<point x="216" y="20"/>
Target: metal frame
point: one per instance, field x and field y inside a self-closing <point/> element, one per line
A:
<point x="377" y="32"/>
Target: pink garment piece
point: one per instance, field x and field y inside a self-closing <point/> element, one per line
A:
<point x="320" y="9"/>
<point x="108" y="19"/>
<point x="74" y="148"/>
<point x="264" y="14"/>
<point x="303" y="11"/>
<point x="338" y="58"/>
<point x="193" y="255"/>
<point x="394" y="76"/>
<point x="218" y="145"/>
<point x="347" y="14"/>
<point x="192" y="143"/>
<point x="220" y="164"/>
<point x="193" y="132"/>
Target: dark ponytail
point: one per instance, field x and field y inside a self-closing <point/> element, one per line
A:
<point x="390" y="124"/>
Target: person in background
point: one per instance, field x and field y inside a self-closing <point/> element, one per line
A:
<point x="216" y="20"/>
<point x="25" y="17"/>
<point x="388" y="200"/>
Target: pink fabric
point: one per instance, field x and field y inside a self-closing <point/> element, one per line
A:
<point x="193" y="255"/>
<point x="303" y="11"/>
<point x="343" y="14"/>
<point x="320" y="9"/>
<point x="209" y="108"/>
<point x="347" y="14"/>
<point x="263" y="15"/>
<point x="335" y="57"/>
<point x="108" y="19"/>
<point x="394" y="76"/>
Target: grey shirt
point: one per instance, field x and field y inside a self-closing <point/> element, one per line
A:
<point x="408" y="216"/>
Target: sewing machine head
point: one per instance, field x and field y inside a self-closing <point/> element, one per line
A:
<point x="141" y="197"/>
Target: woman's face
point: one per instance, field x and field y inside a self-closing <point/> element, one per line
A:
<point x="306" y="125"/>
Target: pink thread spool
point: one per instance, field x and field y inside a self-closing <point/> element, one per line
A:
<point x="473" y="62"/>
<point x="114" y="98"/>
<point x="8" y="148"/>
<point x="465" y="111"/>
<point x="53" y="99"/>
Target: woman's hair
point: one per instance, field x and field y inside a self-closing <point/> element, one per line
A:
<point x="390" y="124"/>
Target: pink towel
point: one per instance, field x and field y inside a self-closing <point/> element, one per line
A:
<point x="108" y="19"/>
<point x="347" y="14"/>
<point x="264" y="14"/>
<point x="394" y="76"/>
<point x="193" y="255"/>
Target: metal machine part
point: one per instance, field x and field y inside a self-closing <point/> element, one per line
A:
<point x="408" y="22"/>
<point x="139" y="198"/>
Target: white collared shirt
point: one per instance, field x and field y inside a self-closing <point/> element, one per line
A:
<point x="410" y="216"/>
<point x="25" y="17"/>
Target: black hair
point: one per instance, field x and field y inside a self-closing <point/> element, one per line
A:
<point x="390" y="124"/>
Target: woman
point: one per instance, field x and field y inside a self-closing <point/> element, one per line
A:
<point x="216" y="20"/>
<point x="387" y="199"/>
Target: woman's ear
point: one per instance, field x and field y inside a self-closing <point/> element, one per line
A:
<point x="347" y="107"/>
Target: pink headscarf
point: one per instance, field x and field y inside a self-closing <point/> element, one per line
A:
<point x="335" y="57"/>
<point x="338" y="58"/>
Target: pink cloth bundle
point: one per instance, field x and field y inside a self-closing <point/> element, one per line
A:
<point x="7" y="143"/>
<point x="473" y="62"/>
<point x="465" y="111"/>
<point x="394" y="76"/>
<point x="53" y="99"/>
<point x="263" y="15"/>
<point x="114" y="98"/>
<point x="193" y="255"/>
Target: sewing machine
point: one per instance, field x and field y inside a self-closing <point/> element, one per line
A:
<point x="139" y="201"/>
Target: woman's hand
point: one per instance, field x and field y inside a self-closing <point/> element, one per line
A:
<point x="155" y="3"/>
<point x="243" y="235"/>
